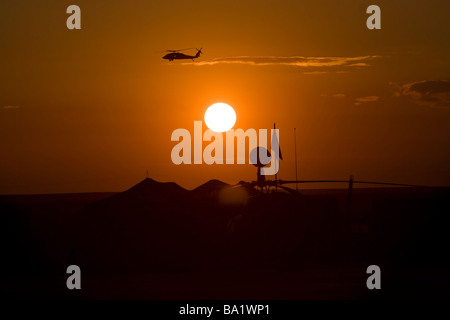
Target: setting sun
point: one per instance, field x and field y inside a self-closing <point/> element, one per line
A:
<point x="220" y="117"/>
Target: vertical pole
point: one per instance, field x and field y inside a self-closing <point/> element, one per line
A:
<point x="276" y="176"/>
<point x="295" y="148"/>
<point x="349" y="198"/>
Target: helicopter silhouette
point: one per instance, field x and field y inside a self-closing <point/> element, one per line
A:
<point x="177" y="55"/>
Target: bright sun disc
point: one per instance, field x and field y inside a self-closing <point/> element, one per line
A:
<point x="220" y="117"/>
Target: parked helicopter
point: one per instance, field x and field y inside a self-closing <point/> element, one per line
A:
<point x="177" y="55"/>
<point x="262" y="183"/>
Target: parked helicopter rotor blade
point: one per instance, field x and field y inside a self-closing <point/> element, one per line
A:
<point x="288" y="189"/>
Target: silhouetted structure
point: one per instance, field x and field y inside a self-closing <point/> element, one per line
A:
<point x="162" y="229"/>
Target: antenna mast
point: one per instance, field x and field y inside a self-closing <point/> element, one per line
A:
<point x="276" y="176"/>
<point x="295" y="148"/>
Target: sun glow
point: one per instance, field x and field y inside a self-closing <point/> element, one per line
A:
<point x="220" y="117"/>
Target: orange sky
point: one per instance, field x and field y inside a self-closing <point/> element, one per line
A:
<point x="93" y="109"/>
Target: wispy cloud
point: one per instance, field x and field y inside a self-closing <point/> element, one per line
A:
<point x="315" y="72"/>
<point x="359" y="101"/>
<point x="432" y="93"/>
<point x="359" y="64"/>
<point x="339" y="95"/>
<point x="11" y="107"/>
<point x="292" y="61"/>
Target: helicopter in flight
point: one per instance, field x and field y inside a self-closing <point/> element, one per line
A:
<point x="177" y="55"/>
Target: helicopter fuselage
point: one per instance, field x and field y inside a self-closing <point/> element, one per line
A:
<point x="178" y="56"/>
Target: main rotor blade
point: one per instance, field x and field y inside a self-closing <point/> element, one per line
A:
<point x="288" y="189"/>
<point x="180" y="50"/>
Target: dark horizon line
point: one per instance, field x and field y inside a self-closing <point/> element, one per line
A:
<point x="280" y="181"/>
